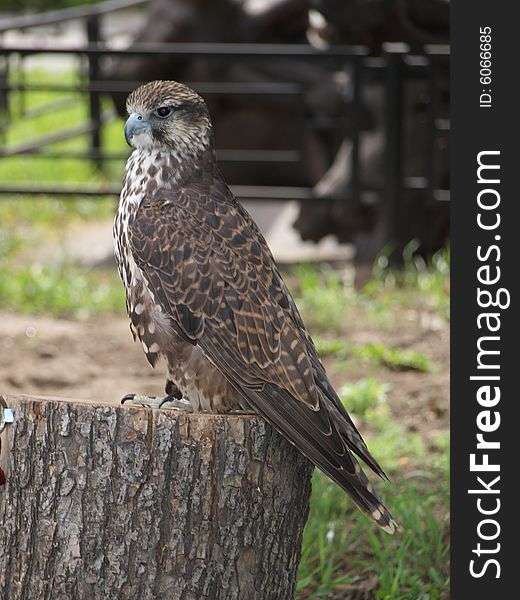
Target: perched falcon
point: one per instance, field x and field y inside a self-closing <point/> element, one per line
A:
<point x="203" y="292"/>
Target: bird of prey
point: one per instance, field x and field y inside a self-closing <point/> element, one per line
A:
<point x="204" y="293"/>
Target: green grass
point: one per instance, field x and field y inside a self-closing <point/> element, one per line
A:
<point x="415" y="566"/>
<point x="430" y="279"/>
<point x="362" y="396"/>
<point x="322" y="297"/>
<point x="341" y="543"/>
<point x="62" y="289"/>
<point x="327" y="302"/>
<point x="29" y="283"/>
<point x="391" y="357"/>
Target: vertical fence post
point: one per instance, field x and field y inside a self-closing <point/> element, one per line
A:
<point x="93" y="36"/>
<point x="355" y="183"/>
<point x="4" y="95"/>
<point x="433" y="115"/>
<point x="20" y="79"/>
<point x="354" y="134"/>
<point x="393" y="145"/>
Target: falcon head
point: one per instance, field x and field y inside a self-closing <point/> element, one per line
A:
<point x="166" y="115"/>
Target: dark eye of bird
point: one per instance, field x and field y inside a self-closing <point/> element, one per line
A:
<point x="163" y="112"/>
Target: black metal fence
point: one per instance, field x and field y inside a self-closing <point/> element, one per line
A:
<point x="392" y="69"/>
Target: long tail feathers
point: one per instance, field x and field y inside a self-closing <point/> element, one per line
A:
<point x="301" y="427"/>
<point x="327" y="436"/>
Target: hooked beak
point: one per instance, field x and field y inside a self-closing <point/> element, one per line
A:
<point x="135" y="125"/>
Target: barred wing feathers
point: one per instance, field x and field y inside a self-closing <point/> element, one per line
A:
<point x="210" y="269"/>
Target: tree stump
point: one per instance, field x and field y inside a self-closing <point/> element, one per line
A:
<point x="129" y="503"/>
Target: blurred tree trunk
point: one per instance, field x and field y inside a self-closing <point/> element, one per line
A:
<point x="131" y="503"/>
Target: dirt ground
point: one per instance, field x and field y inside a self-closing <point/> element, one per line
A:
<point x="419" y="400"/>
<point x="98" y="360"/>
<point x="95" y="359"/>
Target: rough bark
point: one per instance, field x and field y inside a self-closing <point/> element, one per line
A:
<point x="128" y="503"/>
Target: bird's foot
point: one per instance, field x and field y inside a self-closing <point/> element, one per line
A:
<point x="158" y="402"/>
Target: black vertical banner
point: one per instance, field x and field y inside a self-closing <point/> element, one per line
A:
<point x="485" y="374"/>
